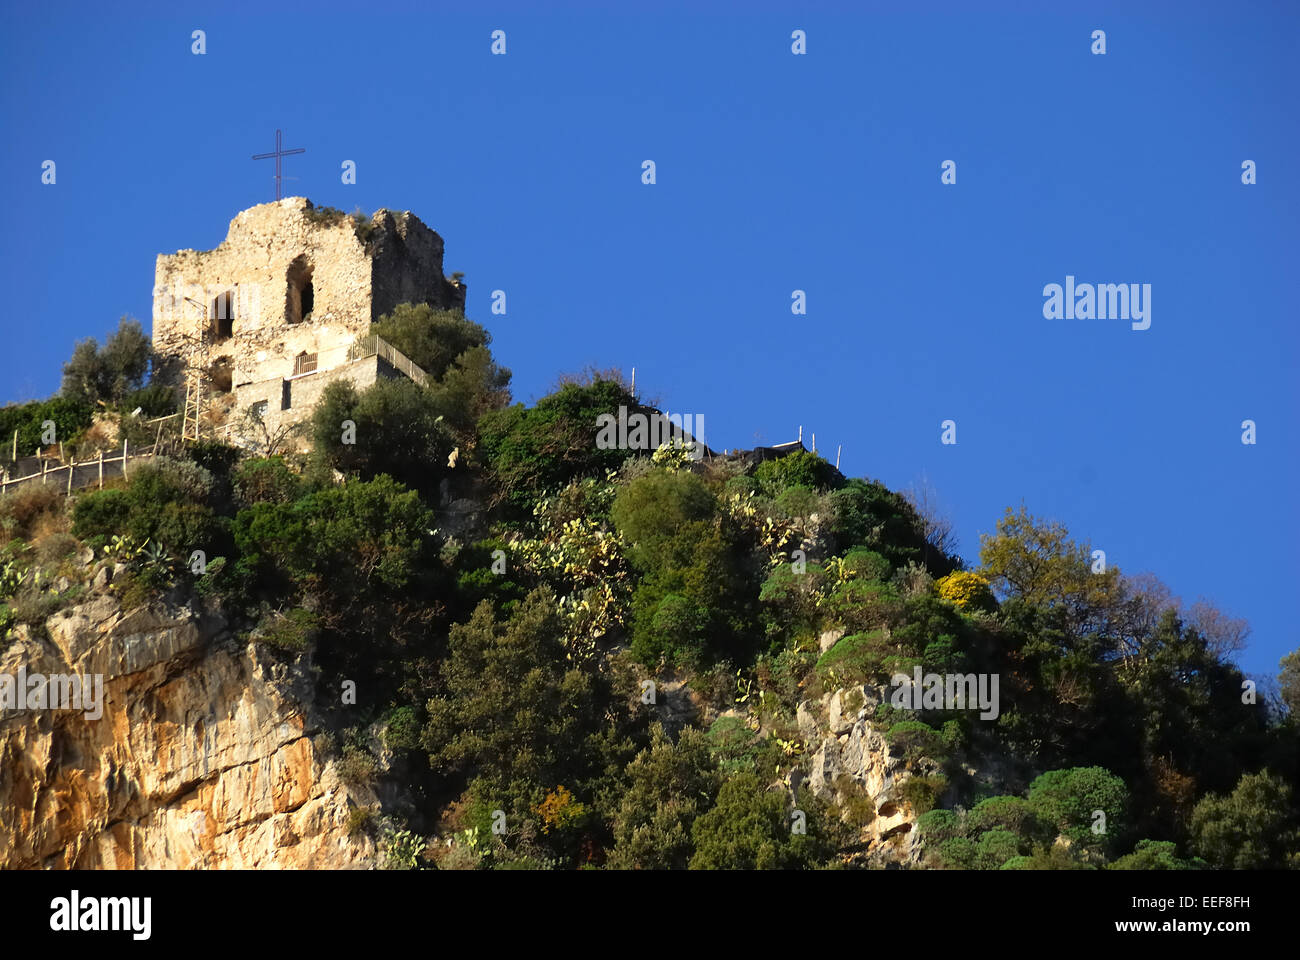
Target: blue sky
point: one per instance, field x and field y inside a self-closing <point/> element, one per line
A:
<point x="775" y="172"/>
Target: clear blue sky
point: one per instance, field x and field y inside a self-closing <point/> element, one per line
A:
<point x="775" y="172"/>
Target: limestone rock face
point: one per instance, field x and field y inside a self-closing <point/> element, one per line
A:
<point x="203" y="755"/>
<point x="849" y="756"/>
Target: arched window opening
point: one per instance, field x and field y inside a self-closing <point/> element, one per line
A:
<point x="222" y="312"/>
<point x="301" y="301"/>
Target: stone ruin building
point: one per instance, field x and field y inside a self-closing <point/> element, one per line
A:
<point x="283" y="306"/>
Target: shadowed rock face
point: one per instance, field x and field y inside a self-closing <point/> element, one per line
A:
<point x="203" y="756"/>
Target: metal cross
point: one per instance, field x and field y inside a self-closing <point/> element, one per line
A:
<point x="278" y="154"/>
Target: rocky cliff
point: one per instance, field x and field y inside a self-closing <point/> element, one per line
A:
<point x="204" y="755"/>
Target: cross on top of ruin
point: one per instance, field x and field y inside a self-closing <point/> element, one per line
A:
<point x="278" y="154"/>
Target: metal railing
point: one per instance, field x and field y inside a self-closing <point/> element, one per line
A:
<point x="374" y="345"/>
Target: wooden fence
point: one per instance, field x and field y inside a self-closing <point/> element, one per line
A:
<point x="78" y="475"/>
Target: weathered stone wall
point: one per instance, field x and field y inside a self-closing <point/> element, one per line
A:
<point x="303" y="392"/>
<point x="269" y="253"/>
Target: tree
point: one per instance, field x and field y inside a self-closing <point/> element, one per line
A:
<point x="1224" y="635"/>
<point x="939" y="534"/>
<point x="534" y="450"/>
<point x="1288" y="681"/>
<point x="517" y="720"/>
<point x="869" y="514"/>
<point x="108" y="373"/>
<point x="359" y="557"/>
<point x="669" y="786"/>
<point x="1035" y="560"/>
<point x="342" y="545"/>
<point x="471" y="386"/>
<point x="750" y="828"/>
<point x="1253" y="828"/>
<point x="693" y="594"/>
<point x="395" y="430"/>
<point x="1155" y="855"/>
<point x="1070" y="800"/>
<point x="430" y="338"/>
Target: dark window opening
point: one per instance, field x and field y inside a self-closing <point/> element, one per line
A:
<point x="223" y="316"/>
<point x="286" y="394"/>
<point x="301" y="298"/>
<point x="221" y="374"/>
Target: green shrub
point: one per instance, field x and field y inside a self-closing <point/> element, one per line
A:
<point x="916" y="740"/>
<point x="1156" y="855"/>
<point x="531" y="450"/>
<point x="291" y="631"/>
<point x="995" y="847"/>
<point x="958" y="853"/>
<point x="357" y="767"/>
<point x="156" y="400"/>
<point x="359" y="820"/>
<point x="166" y="502"/>
<point x="1068" y="798"/>
<point x="342" y="544"/>
<point x="749" y="828"/>
<point x="266" y="480"/>
<point x="432" y="339"/>
<point x="936" y="826"/>
<point x="789" y="600"/>
<point x="402" y="728"/>
<point x="669" y="786"/>
<point x="692" y="600"/>
<point x="923" y="792"/>
<point x="863" y="564"/>
<point x="869" y="514"/>
<point x="798" y="502"/>
<point x="856" y="658"/>
<point x="71" y="416"/>
<point x="862" y="605"/>
<point x="799" y="469"/>
<point x="1252" y="828"/>
<point x="1010" y="813"/>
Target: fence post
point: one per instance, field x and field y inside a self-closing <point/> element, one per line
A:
<point x="45" y="466"/>
<point x="124" y="443"/>
<point x="101" y="469"/>
<point x="72" y="467"/>
<point x="14" y="458"/>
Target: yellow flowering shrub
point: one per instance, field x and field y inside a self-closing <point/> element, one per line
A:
<point x="965" y="590"/>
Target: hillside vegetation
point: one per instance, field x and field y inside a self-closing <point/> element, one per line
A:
<point x="596" y="658"/>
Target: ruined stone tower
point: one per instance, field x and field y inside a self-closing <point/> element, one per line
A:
<point x="283" y="305"/>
